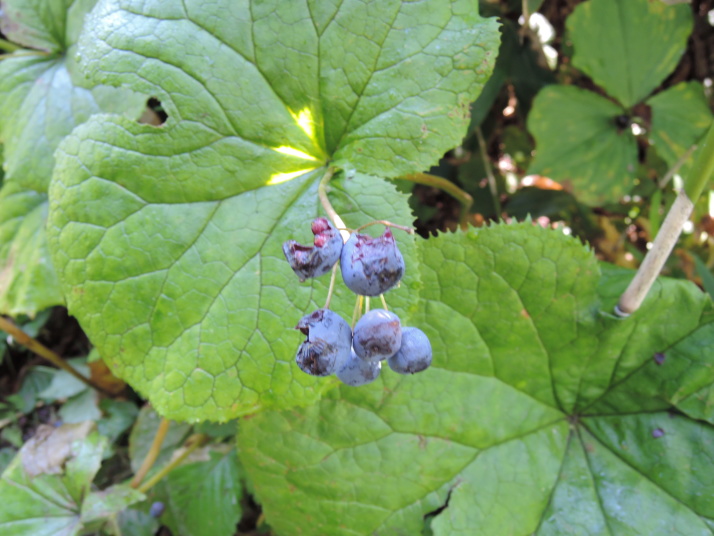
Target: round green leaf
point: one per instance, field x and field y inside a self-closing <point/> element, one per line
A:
<point x="579" y="145"/>
<point x="168" y="240"/>
<point x="505" y="433"/>
<point x="629" y="47"/>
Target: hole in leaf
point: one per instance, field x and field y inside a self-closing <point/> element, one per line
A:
<point x="154" y="114"/>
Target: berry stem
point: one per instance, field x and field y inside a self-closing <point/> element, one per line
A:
<point x="384" y="302"/>
<point x="355" y="314"/>
<point x="408" y="230"/>
<point x="331" y="289"/>
<point x="366" y="304"/>
<point x="325" y="202"/>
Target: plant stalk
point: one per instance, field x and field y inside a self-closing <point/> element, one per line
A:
<point x="41" y="350"/>
<point x="153" y="453"/>
<point x="492" y="186"/>
<point x="197" y="442"/>
<point x="7" y="46"/>
<point x="325" y="202"/>
<point x="671" y="228"/>
<point x="447" y="186"/>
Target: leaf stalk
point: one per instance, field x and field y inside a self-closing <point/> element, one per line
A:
<point x="153" y="453"/>
<point x="447" y="186"/>
<point x="196" y="442"/>
<point x="34" y="346"/>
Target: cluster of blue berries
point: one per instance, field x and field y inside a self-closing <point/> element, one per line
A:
<point x="370" y="267"/>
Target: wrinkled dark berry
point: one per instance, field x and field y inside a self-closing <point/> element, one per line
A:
<point x="328" y="342"/>
<point x="318" y="259"/>
<point x="378" y="335"/>
<point x="371" y="266"/>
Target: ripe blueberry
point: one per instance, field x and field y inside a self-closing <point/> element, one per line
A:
<point x="414" y="354"/>
<point x="357" y="371"/>
<point x="328" y="342"/>
<point x="377" y="335"/>
<point x="318" y="259"/>
<point x="371" y="266"/>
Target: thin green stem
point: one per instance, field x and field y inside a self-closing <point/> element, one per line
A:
<point x="31" y="344"/>
<point x="447" y="186"/>
<point x="7" y="46"/>
<point x="408" y="230"/>
<point x="366" y="304"/>
<point x="703" y="167"/>
<point x="357" y="310"/>
<point x="492" y="186"/>
<point x="153" y="453"/>
<point x="331" y="289"/>
<point x="678" y="164"/>
<point x="196" y="442"/>
<point x="325" y="202"/>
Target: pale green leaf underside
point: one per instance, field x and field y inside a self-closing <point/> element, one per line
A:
<point x="168" y="241"/>
<point x="49" y="503"/>
<point x="520" y="348"/>
<point x="629" y="47"/>
<point x="578" y="144"/>
<point x="39" y="105"/>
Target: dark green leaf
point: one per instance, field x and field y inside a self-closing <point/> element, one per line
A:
<point x="579" y="145"/>
<point x="680" y="118"/>
<point x="629" y="47"/>
<point x="205" y="496"/>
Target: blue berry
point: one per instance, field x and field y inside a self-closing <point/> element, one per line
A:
<point x="318" y="259"/>
<point x="414" y="354"/>
<point x="328" y="343"/>
<point x="377" y="335"/>
<point x="371" y="266"/>
<point x="157" y="509"/>
<point x="357" y="371"/>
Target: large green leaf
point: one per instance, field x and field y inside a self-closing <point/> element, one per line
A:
<point x="40" y="103"/>
<point x="168" y="240"/>
<point x="578" y="143"/>
<point x="629" y="46"/>
<point x="506" y="433"/>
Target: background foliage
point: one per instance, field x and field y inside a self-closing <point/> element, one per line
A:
<point x="155" y="157"/>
